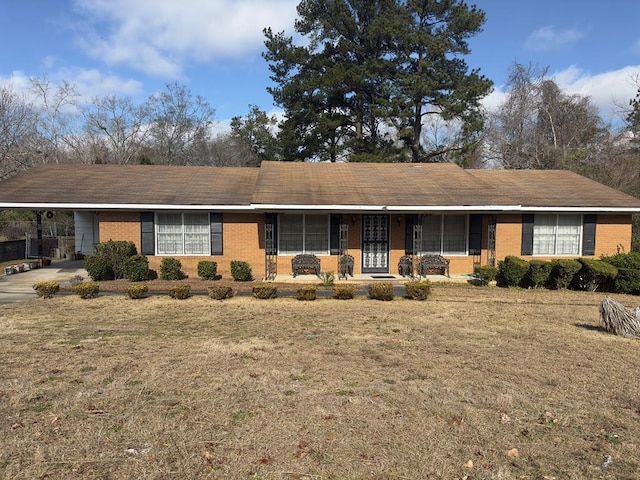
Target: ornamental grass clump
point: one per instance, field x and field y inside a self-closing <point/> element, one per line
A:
<point x="343" y="291"/>
<point x="307" y="292"/>
<point x="381" y="291"/>
<point x="87" y="290"/>
<point x="135" y="292"/>
<point x="180" y="292"/>
<point x="417" y="289"/>
<point x="46" y="289"/>
<point x="220" y="292"/>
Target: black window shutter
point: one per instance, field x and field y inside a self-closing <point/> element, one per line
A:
<point x="589" y="234"/>
<point x="272" y="219"/>
<point x="409" y="222"/>
<point x="527" y="235"/>
<point x="215" y="220"/>
<point x="334" y="234"/>
<point x="475" y="234"/>
<point x="148" y="236"/>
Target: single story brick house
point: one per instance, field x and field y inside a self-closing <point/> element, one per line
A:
<point x="376" y="213"/>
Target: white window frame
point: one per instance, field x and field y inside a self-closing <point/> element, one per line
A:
<point x="184" y="233"/>
<point x="442" y="236"/>
<point x="553" y="227"/>
<point x="304" y="234"/>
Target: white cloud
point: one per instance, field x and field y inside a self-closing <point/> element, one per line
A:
<point x="160" y="37"/>
<point x="547" y="38"/>
<point x="608" y="90"/>
<point x="88" y="82"/>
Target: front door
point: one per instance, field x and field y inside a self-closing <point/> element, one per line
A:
<point x="375" y="244"/>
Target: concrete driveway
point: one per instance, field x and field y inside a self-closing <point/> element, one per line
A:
<point x="19" y="286"/>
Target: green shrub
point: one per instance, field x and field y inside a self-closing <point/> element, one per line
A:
<point x="115" y="253"/>
<point x="180" y="292"/>
<point x="98" y="268"/>
<point x="265" y="291"/>
<point x="220" y="292"/>
<point x="241" y="271"/>
<point x="538" y="274"/>
<point x="87" y="290"/>
<point x="381" y="291"/>
<point x="328" y="278"/>
<point x="136" y="268"/>
<point x="207" y="269"/>
<point x="562" y="273"/>
<point x="417" y="289"/>
<point x="595" y="275"/>
<point x="624" y="260"/>
<point x="137" y="291"/>
<point x="46" y="289"/>
<point x="485" y="274"/>
<point x="628" y="281"/>
<point x="512" y="271"/>
<point x="170" y="269"/>
<point x="307" y="292"/>
<point x="343" y="291"/>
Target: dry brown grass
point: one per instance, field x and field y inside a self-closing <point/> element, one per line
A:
<point x="476" y="383"/>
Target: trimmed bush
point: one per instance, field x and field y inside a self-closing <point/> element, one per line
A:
<point x="241" y="271"/>
<point x="87" y="290"/>
<point x="624" y="260"/>
<point x="562" y="273"/>
<point x="180" y="292"/>
<point x="512" y="271"/>
<point x="417" y="289"/>
<point x="595" y="275"/>
<point x="136" y="268"/>
<point x="308" y="292"/>
<point x="265" y="291"/>
<point x="538" y="274"/>
<point x="137" y="291"/>
<point x="343" y="291"/>
<point x="46" y="289"/>
<point x="220" y="292"/>
<point x="170" y="269"/>
<point x="207" y="269"/>
<point x="115" y="253"/>
<point x="98" y="268"/>
<point x="381" y="291"/>
<point x="485" y="274"/>
<point x="628" y="281"/>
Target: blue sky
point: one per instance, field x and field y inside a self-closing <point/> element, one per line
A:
<point x="135" y="47"/>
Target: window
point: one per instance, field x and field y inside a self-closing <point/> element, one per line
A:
<point x="304" y="234"/>
<point x="557" y="234"/>
<point x="183" y="233"/>
<point x="444" y="234"/>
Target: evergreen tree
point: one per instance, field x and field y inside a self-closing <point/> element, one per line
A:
<point x="372" y="71"/>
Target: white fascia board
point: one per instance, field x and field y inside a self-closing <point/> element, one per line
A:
<point x="118" y="206"/>
<point x="582" y="209"/>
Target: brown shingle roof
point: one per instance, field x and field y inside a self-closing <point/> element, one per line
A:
<point x="553" y="188"/>
<point x="283" y="185"/>
<point x="131" y="185"/>
<point x="400" y="184"/>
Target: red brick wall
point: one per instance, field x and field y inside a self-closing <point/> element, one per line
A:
<point x="243" y="239"/>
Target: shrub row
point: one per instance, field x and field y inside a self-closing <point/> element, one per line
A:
<point x="415" y="290"/>
<point x="611" y="274"/>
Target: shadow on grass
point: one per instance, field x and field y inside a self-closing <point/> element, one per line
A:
<point x="593" y="328"/>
